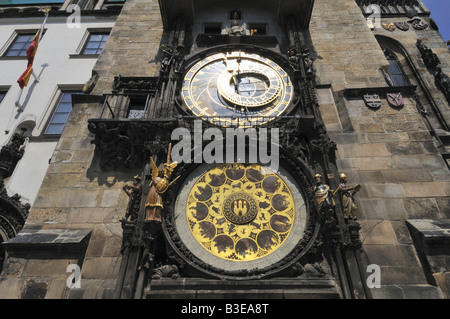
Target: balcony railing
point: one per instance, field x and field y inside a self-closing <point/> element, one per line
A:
<point x="143" y="106"/>
<point x="286" y="124"/>
<point x="128" y="105"/>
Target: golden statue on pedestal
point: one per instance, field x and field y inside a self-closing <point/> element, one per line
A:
<point x="348" y="202"/>
<point x="158" y="186"/>
<point x="324" y="197"/>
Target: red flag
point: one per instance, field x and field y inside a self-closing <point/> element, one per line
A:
<point x="31" y="52"/>
<point x="25" y="77"/>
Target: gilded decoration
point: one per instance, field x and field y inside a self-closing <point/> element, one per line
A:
<point x="240" y="213"/>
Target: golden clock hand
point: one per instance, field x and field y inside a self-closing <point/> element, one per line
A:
<point x="228" y="64"/>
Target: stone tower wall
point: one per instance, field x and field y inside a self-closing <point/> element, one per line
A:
<point x="390" y="152"/>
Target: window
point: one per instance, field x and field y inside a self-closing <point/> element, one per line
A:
<point x="95" y="43"/>
<point x="213" y="28"/>
<point x="395" y="70"/>
<point x="396" y="73"/>
<point x="20" y="44"/>
<point x="2" y="95"/>
<point x="257" y="29"/>
<point x="138" y="106"/>
<point x="61" y="114"/>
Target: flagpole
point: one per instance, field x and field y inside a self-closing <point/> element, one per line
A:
<point x="46" y="10"/>
<point x="19" y="106"/>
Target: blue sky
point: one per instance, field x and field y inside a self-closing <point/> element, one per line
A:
<point x="440" y="12"/>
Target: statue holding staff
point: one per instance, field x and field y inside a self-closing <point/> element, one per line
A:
<point x="158" y="186"/>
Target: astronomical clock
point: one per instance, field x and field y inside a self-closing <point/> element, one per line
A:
<point x="229" y="219"/>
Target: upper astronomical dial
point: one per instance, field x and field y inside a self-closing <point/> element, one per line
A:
<point x="237" y="85"/>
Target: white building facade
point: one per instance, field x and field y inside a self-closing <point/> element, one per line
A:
<point x="63" y="63"/>
<point x="32" y="119"/>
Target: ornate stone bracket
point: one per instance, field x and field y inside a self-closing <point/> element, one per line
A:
<point x="122" y="145"/>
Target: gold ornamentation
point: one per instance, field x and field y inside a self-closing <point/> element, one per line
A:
<point x="240" y="212"/>
<point x="158" y="186"/>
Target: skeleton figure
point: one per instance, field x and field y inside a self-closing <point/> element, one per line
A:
<point x="134" y="193"/>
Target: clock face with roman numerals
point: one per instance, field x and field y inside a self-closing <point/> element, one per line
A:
<point x="237" y="89"/>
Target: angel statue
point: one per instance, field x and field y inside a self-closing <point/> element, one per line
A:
<point x="158" y="186"/>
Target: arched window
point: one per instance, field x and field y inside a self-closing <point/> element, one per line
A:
<point x="395" y="70"/>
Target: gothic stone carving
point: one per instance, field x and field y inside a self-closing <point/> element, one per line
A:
<point x="430" y="59"/>
<point x="432" y="62"/>
<point x="442" y="82"/>
<point x="11" y="154"/>
<point x="123" y="145"/>
<point x="13" y="214"/>
<point x="134" y="192"/>
<point x="134" y="84"/>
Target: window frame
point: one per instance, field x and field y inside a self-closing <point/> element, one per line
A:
<point x="55" y="103"/>
<point x="213" y="25"/>
<point x="4" y="91"/>
<point x="138" y="100"/>
<point x="12" y="40"/>
<point x="391" y="56"/>
<point x="85" y="40"/>
<point x="88" y="41"/>
<point x="258" y="26"/>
